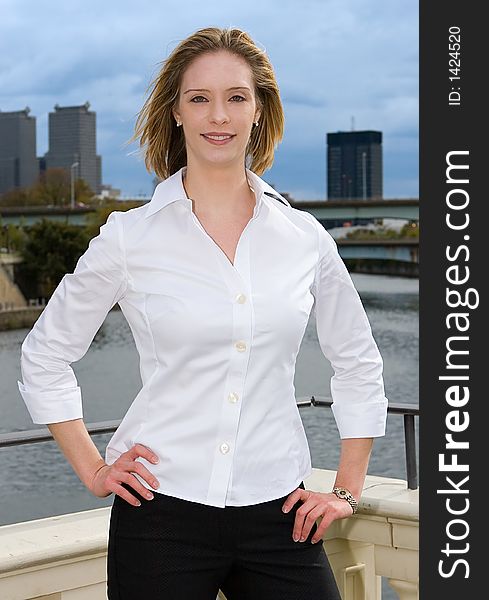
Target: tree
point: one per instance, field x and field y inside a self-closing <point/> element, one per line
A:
<point x="54" y="187"/>
<point x="12" y="238"/>
<point x="410" y="229"/>
<point x="18" y="197"/>
<point x="52" y="249"/>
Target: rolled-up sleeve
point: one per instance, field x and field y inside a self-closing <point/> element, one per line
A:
<point x="66" y="327"/>
<point x="346" y="340"/>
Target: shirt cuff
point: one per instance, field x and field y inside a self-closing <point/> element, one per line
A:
<point x="52" y="406"/>
<point x="361" y="419"/>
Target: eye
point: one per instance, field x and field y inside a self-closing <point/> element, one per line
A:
<point x="236" y="96"/>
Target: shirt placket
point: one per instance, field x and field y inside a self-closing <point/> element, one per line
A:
<point x="237" y="279"/>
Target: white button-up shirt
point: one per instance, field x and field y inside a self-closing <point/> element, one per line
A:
<point x="217" y="343"/>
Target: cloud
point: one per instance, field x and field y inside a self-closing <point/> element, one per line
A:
<point x="333" y="60"/>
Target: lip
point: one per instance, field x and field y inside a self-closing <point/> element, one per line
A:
<point x="218" y="142"/>
<point x="218" y="133"/>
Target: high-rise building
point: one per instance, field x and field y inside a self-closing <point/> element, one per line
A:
<point x="18" y="162"/>
<point x="72" y="139"/>
<point x="355" y="165"/>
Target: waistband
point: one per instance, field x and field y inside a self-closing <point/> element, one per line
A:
<point x="162" y="496"/>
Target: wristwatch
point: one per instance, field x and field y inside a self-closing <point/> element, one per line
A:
<point x="345" y="494"/>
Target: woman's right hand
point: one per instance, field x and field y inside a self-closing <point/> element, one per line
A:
<point x="108" y="478"/>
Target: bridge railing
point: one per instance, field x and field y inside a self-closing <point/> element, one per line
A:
<point x="408" y="411"/>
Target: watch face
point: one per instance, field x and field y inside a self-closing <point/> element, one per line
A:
<point x="342" y="493"/>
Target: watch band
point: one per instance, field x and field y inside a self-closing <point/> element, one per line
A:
<point x="345" y="494"/>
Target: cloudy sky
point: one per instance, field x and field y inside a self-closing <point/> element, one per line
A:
<point x="333" y="59"/>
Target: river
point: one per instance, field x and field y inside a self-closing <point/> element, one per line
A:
<point x="38" y="481"/>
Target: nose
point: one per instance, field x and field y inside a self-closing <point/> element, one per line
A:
<point x="218" y="112"/>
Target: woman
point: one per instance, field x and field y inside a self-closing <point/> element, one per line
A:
<point x="217" y="277"/>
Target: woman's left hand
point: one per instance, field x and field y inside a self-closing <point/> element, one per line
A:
<point x="314" y="505"/>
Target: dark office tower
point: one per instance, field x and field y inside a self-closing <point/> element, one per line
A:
<point x="355" y="165"/>
<point x="72" y="139"/>
<point x="18" y="162"/>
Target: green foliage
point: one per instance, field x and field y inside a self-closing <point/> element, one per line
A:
<point x="53" y="188"/>
<point x="409" y="230"/>
<point x="51" y="250"/>
<point x="12" y="237"/>
<point x="18" y="197"/>
<point x="96" y="219"/>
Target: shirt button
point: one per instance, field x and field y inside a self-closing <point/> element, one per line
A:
<point x="224" y="448"/>
<point x="240" y="346"/>
<point x="241" y="298"/>
<point x="233" y="397"/>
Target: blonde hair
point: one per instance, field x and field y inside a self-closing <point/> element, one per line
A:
<point x="163" y="143"/>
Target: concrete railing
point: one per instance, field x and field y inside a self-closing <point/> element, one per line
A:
<point x="64" y="557"/>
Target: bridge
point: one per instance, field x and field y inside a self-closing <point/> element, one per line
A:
<point x="380" y="256"/>
<point x="23" y="216"/>
<point x="348" y="210"/>
<point x="386" y="256"/>
<point x="337" y="210"/>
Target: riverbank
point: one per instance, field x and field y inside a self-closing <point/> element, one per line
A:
<point x="19" y="318"/>
<point x="393" y="268"/>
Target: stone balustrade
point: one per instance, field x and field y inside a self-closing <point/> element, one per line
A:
<point x="64" y="557"/>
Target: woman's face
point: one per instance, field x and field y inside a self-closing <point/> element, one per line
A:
<point x="207" y="104"/>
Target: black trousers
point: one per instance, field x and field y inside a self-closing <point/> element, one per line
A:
<point x="175" y="549"/>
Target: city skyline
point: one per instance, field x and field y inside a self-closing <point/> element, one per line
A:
<point x="366" y="53"/>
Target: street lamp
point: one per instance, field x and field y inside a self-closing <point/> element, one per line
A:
<point x="73" y="166"/>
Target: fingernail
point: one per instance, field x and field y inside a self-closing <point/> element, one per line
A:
<point x="302" y="539"/>
<point x="155" y="459"/>
<point x="296" y="538"/>
<point x="285" y="509"/>
<point x="149" y="496"/>
<point x="138" y="504"/>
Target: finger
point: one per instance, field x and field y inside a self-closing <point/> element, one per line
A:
<point x="321" y="530"/>
<point x="304" y="519"/>
<point x="144" y="452"/>
<point x="292" y="499"/>
<point x="309" y="521"/>
<point x="145" y="474"/>
<point x="125" y="495"/>
<point x="133" y="482"/>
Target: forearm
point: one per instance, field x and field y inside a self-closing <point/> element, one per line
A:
<point x="354" y="459"/>
<point x="77" y="446"/>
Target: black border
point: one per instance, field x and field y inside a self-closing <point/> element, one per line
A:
<point x="445" y="128"/>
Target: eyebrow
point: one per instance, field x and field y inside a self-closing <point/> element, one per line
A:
<point x="228" y="90"/>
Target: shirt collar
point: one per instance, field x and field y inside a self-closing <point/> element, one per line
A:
<point x="172" y="190"/>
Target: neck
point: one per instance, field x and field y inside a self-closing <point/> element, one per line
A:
<point x="220" y="191"/>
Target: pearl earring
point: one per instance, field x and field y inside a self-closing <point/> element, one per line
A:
<point x="256" y="123"/>
<point x="178" y="123"/>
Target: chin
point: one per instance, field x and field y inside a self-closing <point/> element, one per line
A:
<point x="222" y="160"/>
